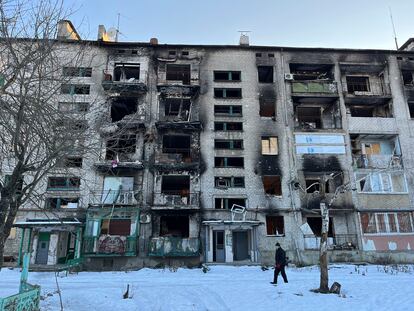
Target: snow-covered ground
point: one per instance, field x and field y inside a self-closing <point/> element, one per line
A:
<point x="222" y="288"/>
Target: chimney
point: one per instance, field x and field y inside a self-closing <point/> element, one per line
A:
<point x="244" y="39"/>
<point x="154" y="41"/>
<point x="66" y="31"/>
<point x="101" y="33"/>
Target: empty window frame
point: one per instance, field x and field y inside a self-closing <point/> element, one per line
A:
<point x="124" y="144"/>
<point x="175" y="184"/>
<point x="411" y="108"/>
<point x="53" y="203"/>
<point x="227" y="110"/>
<point x="77" y="71"/>
<point x="267" y="107"/>
<point x="232" y="144"/>
<point x="269" y="145"/>
<point x="63" y="183"/>
<point x="222" y="76"/>
<point x="179" y="73"/>
<point x="407" y="76"/>
<point x="309" y="117"/>
<point x="401" y="222"/>
<point x="265" y="74"/>
<point x="176" y="144"/>
<point x="237" y="162"/>
<point x="315" y="223"/>
<point x="177" y="107"/>
<point x="384" y="182"/>
<point x="227" y="93"/>
<point x="275" y="225"/>
<point x="73" y="107"/>
<point x="227" y="203"/>
<point x="115" y="226"/>
<point x="175" y="226"/>
<point x="357" y="84"/>
<point x="229" y="182"/>
<point x="272" y="185"/>
<point x="123" y="107"/>
<point x="75" y="89"/>
<point x="326" y="183"/>
<point x="126" y="72"/>
<point x="228" y="126"/>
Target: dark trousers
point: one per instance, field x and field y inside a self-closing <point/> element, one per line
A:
<point x="281" y="270"/>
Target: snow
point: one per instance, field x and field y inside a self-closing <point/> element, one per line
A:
<point x="222" y="288"/>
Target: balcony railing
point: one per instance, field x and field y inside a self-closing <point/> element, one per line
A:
<point x="175" y="199"/>
<point x="111" y="197"/>
<point x="377" y="161"/>
<point x="174" y="247"/>
<point x="321" y="86"/>
<point x="363" y="89"/>
<point x="110" y="245"/>
<point x="337" y="242"/>
<point x="132" y="85"/>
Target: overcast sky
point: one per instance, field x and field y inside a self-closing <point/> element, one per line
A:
<point x="307" y="23"/>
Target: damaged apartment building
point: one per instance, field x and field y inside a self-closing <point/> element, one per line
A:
<point x="212" y="154"/>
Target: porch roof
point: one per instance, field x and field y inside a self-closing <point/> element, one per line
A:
<point x="48" y="222"/>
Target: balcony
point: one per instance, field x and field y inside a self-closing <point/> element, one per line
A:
<point x="175" y="200"/>
<point x="367" y="91"/>
<point x="174" y="247"/>
<point x="109" y="245"/>
<point x="322" y="87"/>
<point x="377" y="161"/>
<point x="176" y="158"/>
<point x="114" y="197"/>
<point x="337" y="242"/>
<point x="371" y="124"/>
<point x="124" y="87"/>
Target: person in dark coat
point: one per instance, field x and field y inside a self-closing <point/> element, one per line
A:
<point x="280" y="264"/>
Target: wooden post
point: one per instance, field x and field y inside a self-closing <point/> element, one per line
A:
<point x="323" y="250"/>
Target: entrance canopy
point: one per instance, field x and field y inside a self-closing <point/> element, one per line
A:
<point x="30" y="223"/>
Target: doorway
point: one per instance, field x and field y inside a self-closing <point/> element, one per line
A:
<point x="240" y="245"/>
<point x="218" y="246"/>
<point x="42" y="248"/>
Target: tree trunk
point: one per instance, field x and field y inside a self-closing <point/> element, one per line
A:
<point x="1" y="250"/>
<point x="323" y="251"/>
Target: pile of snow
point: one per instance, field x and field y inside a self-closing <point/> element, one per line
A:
<point x="223" y="288"/>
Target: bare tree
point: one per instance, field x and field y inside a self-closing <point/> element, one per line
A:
<point x="36" y="137"/>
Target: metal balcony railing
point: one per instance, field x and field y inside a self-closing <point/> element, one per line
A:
<point x="111" y="197"/>
<point x="174" y="247"/>
<point x="317" y="86"/>
<point x="177" y="199"/>
<point x="110" y="245"/>
<point x="337" y="242"/>
<point x="132" y="85"/>
<point x="370" y="88"/>
<point x="377" y="161"/>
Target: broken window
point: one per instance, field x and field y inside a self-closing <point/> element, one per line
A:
<point x="407" y="77"/>
<point x="227" y="93"/>
<point x="128" y="72"/>
<point x="357" y="84"/>
<point x="237" y="162"/>
<point x="175" y="226"/>
<point x="123" y="107"/>
<point x="73" y="107"/>
<point x="78" y="89"/>
<point x="227" y="203"/>
<point x="177" y="108"/>
<point x="229" y="182"/>
<point x="369" y="111"/>
<point x="179" y="73"/>
<point x="227" y="76"/>
<point x="272" y="184"/>
<point x="315" y="223"/>
<point x="122" y="145"/>
<point x="267" y="107"/>
<point x="228" y="144"/>
<point x="228" y="126"/>
<point x="312" y="185"/>
<point x="309" y="117"/>
<point x="269" y="145"/>
<point x="384" y="182"/>
<point x="265" y="74"/>
<point x="77" y="71"/>
<point x="228" y="110"/>
<point x="311" y="72"/>
<point x="411" y="108"/>
<point x="63" y="183"/>
<point x="177" y="144"/>
<point x="275" y="225"/>
<point x="326" y="182"/>
<point x="62" y="203"/>
<point x="175" y="185"/>
<point x="116" y="226"/>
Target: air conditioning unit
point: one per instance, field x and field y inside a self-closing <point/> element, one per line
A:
<point x="289" y="76"/>
<point x="145" y="218"/>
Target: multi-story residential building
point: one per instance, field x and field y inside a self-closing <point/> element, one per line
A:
<point x="215" y="153"/>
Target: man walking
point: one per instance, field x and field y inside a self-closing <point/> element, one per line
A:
<point x="280" y="263"/>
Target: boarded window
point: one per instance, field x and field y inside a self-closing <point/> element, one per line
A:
<point x="269" y="145"/>
<point x="275" y="225"/>
<point x="272" y="185"/>
<point x="265" y="74"/>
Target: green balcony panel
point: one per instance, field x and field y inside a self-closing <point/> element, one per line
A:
<point x="314" y="87"/>
<point x="174" y="247"/>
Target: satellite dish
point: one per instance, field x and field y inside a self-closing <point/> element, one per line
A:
<point x="112" y="34"/>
